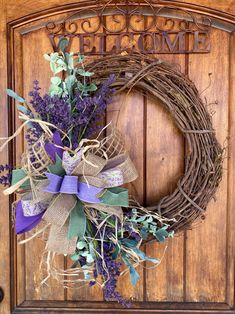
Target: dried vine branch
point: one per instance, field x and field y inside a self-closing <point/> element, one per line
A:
<point x="204" y="155"/>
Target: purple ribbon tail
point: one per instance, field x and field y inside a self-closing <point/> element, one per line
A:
<point x="23" y="223"/>
<point x="88" y="193"/>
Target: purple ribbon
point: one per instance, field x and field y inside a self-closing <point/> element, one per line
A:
<point x="52" y="149"/>
<point x="72" y="185"/>
<point x="25" y="223"/>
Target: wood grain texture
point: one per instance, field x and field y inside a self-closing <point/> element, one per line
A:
<point x="206" y="265"/>
<point x="231" y="180"/>
<point x="34" y="66"/>
<point x="28" y="6"/>
<point x="4" y="206"/>
<point x="202" y="275"/>
<point x="139" y="307"/>
<point x="18" y="147"/>
<point x="165" y="165"/>
<point x="127" y="113"/>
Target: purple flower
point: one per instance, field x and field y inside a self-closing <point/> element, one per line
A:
<point x="78" y="117"/>
<point x="52" y="109"/>
<point x="5" y="179"/>
<point x="91" y="109"/>
<point x="110" y="275"/>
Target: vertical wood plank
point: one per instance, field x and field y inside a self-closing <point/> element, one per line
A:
<point x="165" y="165"/>
<point x="231" y="178"/>
<point x="206" y="245"/>
<point x="126" y="113"/>
<point x="4" y="206"/>
<point x="35" y="44"/>
<point x="18" y="87"/>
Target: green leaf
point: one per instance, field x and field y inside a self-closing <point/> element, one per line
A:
<point x="162" y="234"/>
<point x="12" y="94"/>
<point x="17" y="175"/>
<point x="129" y="243"/>
<point x="70" y="82"/>
<point x="88" y="256"/>
<point x="57" y="168"/>
<point x="25" y="111"/>
<point x="61" y="62"/>
<point x="134" y="276"/>
<point x="69" y="60"/>
<point x="83" y="72"/>
<point x="134" y="211"/>
<point x="54" y="56"/>
<point x="81" y="245"/>
<point x="75" y="257"/>
<point x="55" y="90"/>
<point x="80" y="59"/>
<point x="116" y="252"/>
<point x="144" y="257"/>
<point x="80" y="85"/>
<point x="150" y="219"/>
<point x="115" y="197"/>
<point x="77" y="222"/>
<point x="59" y="69"/>
<point x="85" y="88"/>
<point x="53" y="67"/>
<point x="91" y="88"/>
<point x="22" y="109"/>
<point x="86" y="272"/>
<point x="140" y="219"/>
<point x="55" y="80"/>
<point x="144" y="233"/>
<point x="46" y="57"/>
<point x="63" y="43"/>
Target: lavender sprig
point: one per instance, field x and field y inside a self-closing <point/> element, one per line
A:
<point x="110" y="274"/>
<point x="81" y="120"/>
<point x="5" y="179"/>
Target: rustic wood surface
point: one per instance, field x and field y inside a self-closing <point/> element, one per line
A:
<point x="4" y="217"/>
<point x="29" y="7"/>
<point x="196" y="274"/>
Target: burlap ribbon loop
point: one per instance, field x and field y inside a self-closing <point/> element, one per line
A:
<point x="120" y="165"/>
<point x="91" y="166"/>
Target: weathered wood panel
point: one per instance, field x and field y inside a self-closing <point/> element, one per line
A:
<point x="28" y="6"/>
<point x="165" y="165"/>
<point x="197" y="268"/>
<point x="35" y="67"/>
<point x="4" y="217"/>
<point x="206" y="265"/>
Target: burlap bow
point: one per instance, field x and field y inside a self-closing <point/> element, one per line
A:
<point x="90" y="180"/>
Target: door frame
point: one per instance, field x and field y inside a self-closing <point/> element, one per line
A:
<point x="8" y="33"/>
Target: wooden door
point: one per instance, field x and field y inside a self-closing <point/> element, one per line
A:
<point x="196" y="274"/>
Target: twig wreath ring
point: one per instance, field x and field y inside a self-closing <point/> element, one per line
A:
<point x="203" y="162"/>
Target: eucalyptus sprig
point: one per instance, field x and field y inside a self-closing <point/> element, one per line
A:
<point x="73" y="67"/>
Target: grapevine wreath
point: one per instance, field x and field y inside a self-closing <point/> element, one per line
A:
<point x="73" y="168"/>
